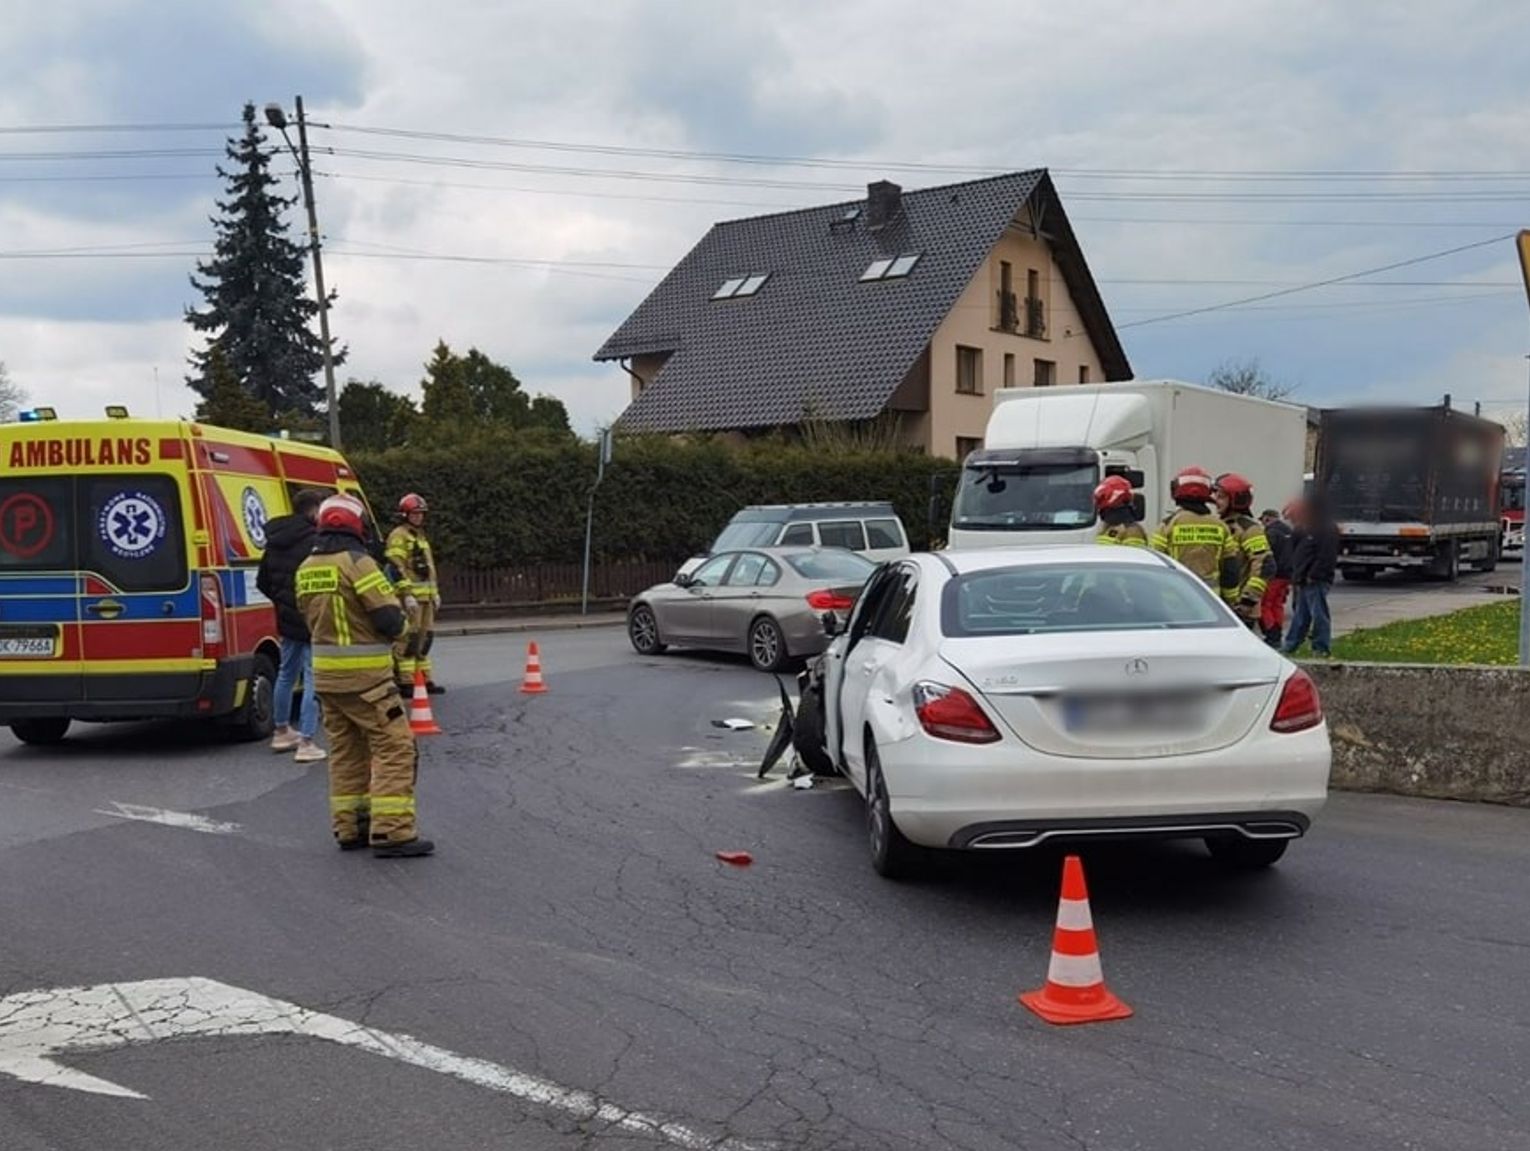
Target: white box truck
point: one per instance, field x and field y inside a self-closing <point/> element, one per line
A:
<point x="1045" y="449"/>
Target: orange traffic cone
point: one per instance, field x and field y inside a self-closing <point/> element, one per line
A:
<point x="422" y="720"/>
<point x="532" y="684"/>
<point x="1075" y="990"/>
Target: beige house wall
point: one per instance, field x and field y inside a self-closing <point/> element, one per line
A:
<point x="645" y="368"/>
<point x="975" y="323"/>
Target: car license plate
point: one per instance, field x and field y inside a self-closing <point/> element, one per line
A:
<point x="1124" y="715"/>
<point x="28" y="643"/>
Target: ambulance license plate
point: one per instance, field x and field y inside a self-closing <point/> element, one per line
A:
<point x="28" y="643"/>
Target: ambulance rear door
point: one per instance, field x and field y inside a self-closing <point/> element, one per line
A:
<point x="40" y="660"/>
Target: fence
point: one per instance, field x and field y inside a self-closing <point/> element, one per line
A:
<point x="531" y="584"/>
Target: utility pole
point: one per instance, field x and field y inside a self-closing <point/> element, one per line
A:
<point x="603" y="457"/>
<point x="1522" y="243"/>
<point x="278" y="120"/>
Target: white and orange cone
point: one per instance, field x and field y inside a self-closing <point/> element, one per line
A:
<point x="532" y="684"/>
<point x="1075" y="990"/>
<point x="422" y="721"/>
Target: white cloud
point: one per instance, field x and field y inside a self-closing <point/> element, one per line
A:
<point x="1185" y="84"/>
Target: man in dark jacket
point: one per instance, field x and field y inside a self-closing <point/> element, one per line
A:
<point x="1314" y="562"/>
<point x="1272" y="608"/>
<point x="289" y="541"/>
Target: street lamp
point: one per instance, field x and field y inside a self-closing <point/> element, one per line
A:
<point x="278" y="120"/>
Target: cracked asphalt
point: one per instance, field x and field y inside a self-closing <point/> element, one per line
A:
<point x="1370" y="992"/>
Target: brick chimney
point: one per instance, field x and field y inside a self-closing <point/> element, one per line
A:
<point x="884" y="200"/>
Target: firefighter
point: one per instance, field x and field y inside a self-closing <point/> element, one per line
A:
<point x="1113" y="501"/>
<point x="352" y="616"/>
<point x="409" y="555"/>
<point x="1195" y="535"/>
<point x="1256" y="562"/>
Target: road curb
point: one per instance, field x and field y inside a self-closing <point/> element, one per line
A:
<point x="518" y="627"/>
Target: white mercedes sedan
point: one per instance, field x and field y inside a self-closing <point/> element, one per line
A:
<point x="1003" y="698"/>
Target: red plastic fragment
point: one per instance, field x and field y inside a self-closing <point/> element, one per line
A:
<point x="736" y="858"/>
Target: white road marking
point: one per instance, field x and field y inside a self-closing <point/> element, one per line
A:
<point x="38" y="1026"/>
<point x="182" y="819"/>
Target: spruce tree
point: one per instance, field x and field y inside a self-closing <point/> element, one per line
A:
<point x="259" y="312"/>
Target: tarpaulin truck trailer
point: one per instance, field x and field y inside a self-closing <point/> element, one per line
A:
<point x="1046" y="448"/>
<point x="1414" y="488"/>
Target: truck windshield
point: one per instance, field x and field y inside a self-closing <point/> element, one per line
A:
<point x="749" y="534"/>
<point x="1025" y="497"/>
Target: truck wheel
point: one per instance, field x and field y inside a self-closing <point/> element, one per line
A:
<point x="1490" y="561"/>
<point x="40" y="732"/>
<point x="1447" y="565"/>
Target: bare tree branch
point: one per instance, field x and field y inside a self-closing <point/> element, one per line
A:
<point x="12" y="396"/>
<point x="1248" y="378"/>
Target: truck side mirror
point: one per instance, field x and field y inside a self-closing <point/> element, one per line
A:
<point x="1139" y="505"/>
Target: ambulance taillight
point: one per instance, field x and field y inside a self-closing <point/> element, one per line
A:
<point x="212" y="618"/>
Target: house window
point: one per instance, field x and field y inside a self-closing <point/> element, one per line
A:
<point x="1046" y="373"/>
<point x="969" y="370"/>
<point x="891" y="268"/>
<point x="1083" y="373"/>
<point x="965" y="446"/>
<point x="1035" y="309"/>
<point x="741" y="286"/>
<point x="1009" y="369"/>
<point x="1009" y="305"/>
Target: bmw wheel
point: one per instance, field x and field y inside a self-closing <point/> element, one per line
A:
<point x="643" y="631"/>
<point x="892" y="855"/>
<point x="767" y="645"/>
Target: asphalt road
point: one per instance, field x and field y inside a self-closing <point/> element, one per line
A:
<point x="1396" y="596"/>
<point x="576" y="935"/>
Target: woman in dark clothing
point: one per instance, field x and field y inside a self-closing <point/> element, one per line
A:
<point x="1314" y="562"/>
<point x="289" y="541"/>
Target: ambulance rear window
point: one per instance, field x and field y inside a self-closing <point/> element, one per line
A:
<point x="132" y="534"/>
<point x="127" y="529"/>
<point x="37" y="524"/>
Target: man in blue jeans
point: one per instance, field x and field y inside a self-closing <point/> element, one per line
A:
<point x="1314" y="563"/>
<point x="289" y="541"/>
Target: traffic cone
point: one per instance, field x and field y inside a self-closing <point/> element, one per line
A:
<point x="532" y="684"/>
<point x="422" y="720"/>
<point x="1075" y="990"/>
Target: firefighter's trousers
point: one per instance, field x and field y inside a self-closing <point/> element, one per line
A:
<point x="413" y="651"/>
<point x="372" y="764"/>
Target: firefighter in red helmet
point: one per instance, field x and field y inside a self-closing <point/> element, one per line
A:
<point x="414" y="577"/>
<point x="1195" y="535"/>
<point x="1119" y="525"/>
<point x="1234" y="497"/>
<point x="353" y="616"/>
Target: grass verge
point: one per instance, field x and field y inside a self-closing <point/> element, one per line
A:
<point x="1483" y="635"/>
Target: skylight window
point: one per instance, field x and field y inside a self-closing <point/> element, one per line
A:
<point x="741" y="286"/>
<point x="894" y="268"/>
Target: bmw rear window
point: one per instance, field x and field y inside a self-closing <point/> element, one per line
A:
<point x="833" y="565"/>
<point x="1027" y="600"/>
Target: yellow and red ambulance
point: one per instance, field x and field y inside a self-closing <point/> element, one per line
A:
<point x="128" y="553"/>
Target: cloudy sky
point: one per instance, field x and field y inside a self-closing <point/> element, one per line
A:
<point x="1207" y="152"/>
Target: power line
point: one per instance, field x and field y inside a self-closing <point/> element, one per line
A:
<point x="114" y="154"/>
<point x="64" y="129"/>
<point x="1316" y="284"/>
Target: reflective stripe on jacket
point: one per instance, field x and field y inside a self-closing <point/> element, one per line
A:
<point x="1203" y="543"/>
<point x="351" y="610"/>
<point x="409" y="552"/>
<point x="1125" y="535"/>
<point x="1256" y="562"/>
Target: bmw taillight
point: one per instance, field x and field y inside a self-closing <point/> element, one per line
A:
<point x="950" y="713"/>
<point x="825" y="600"/>
<point x="1299" y="707"/>
<point x="212" y="618"/>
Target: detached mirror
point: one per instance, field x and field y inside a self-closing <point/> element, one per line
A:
<point x="682" y="579"/>
<point x="831" y="626"/>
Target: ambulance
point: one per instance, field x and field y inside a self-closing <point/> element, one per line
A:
<point x="128" y="553"/>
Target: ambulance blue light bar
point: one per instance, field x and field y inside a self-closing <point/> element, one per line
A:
<point x="38" y="415"/>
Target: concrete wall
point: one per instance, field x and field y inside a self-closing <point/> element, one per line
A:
<point x="974" y="323"/>
<point x="1432" y="732"/>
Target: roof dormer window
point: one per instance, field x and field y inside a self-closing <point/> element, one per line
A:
<point x="891" y="268"/>
<point x="740" y="286"/>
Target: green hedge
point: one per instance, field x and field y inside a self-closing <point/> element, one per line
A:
<point x="521" y="499"/>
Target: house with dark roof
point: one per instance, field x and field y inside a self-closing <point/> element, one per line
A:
<point x="912" y="307"/>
